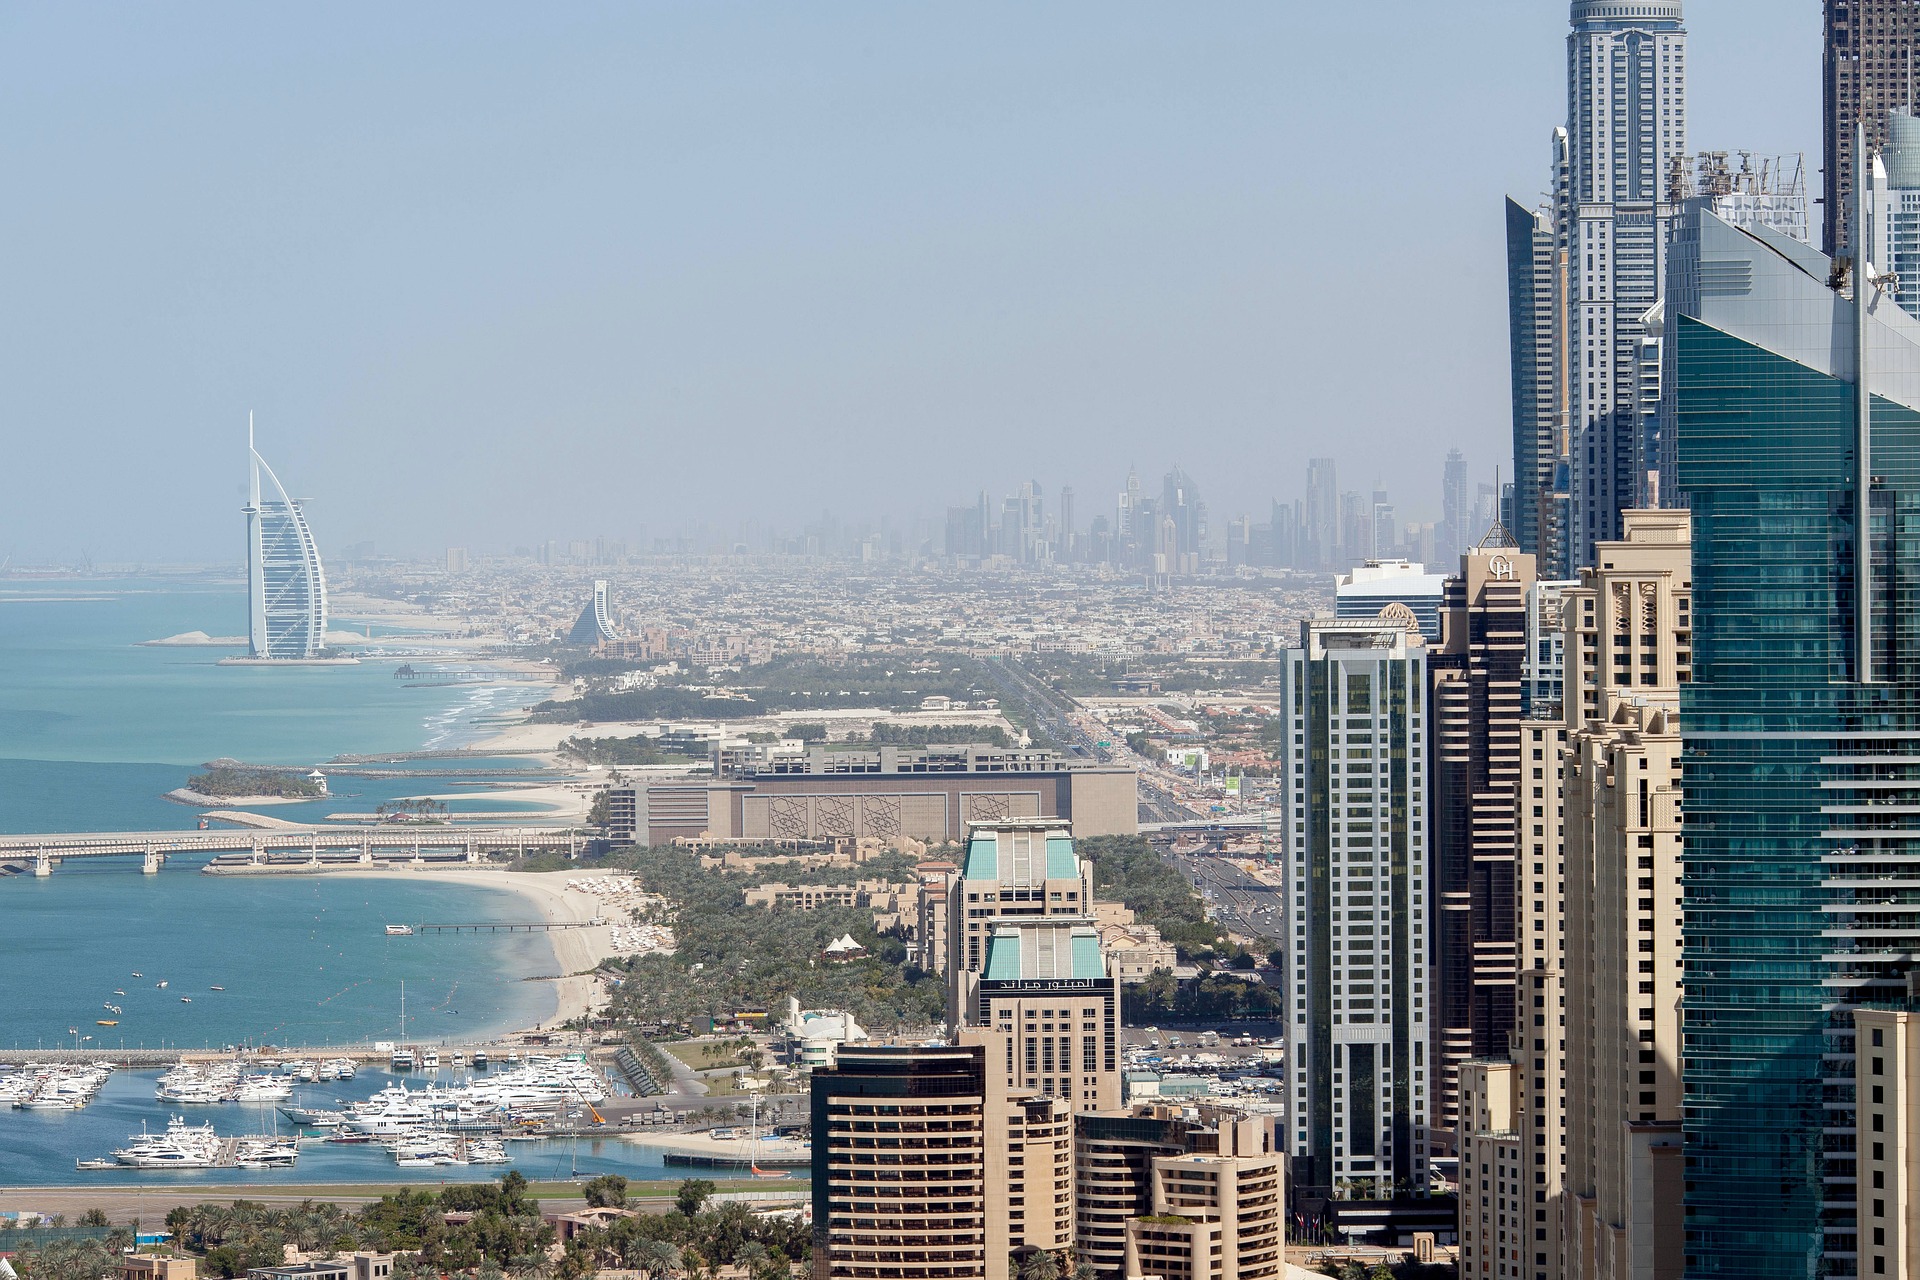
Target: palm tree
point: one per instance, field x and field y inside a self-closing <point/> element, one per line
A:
<point x="1039" y="1265"/>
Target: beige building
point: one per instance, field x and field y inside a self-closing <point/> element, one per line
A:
<point x="929" y="794"/>
<point x="1629" y="649"/>
<point x="1026" y="960"/>
<point x="151" y="1266"/>
<point x="1886" y="1086"/>
<point x="1497" y="1234"/>
<point x="927" y="1167"/>
<point x="1212" y="1208"/>
<point x="1583" y="1116"/>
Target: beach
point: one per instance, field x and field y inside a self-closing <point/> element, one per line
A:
<point x="576" y="951"/>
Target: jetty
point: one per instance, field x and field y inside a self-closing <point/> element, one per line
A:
<point x="291" y="848"/>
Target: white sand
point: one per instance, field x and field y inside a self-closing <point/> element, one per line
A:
<point x="576" y="951"/>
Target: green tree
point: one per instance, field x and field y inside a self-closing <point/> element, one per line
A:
<point x="94" y="1218"/>
<point x="693" y="1196"/>
<point x="609" y="1191"/>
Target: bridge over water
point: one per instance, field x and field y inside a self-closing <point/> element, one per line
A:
<point x="291" y="848"/>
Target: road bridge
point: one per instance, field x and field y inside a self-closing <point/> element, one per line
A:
<point x="290" y="847"/>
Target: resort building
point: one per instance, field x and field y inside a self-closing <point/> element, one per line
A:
<point x="595" y="626"/>
<point x="927" y="1167"/>
<point x="286" y="585"/>
<point x="1170" y="1191"/>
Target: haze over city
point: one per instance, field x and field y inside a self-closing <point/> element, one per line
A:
<point x="491" y="275"/>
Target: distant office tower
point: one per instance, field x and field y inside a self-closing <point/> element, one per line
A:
<point x="1066" y="547"/>
<point x="1800" y="729"/>
<point x="286" y="585"/>
<point x="926" y="1166"/>
<point x="1383" y="533"/>
<point x="1322" y="529"/>
<point x="1870" y="50"/>
<point x="595" y="623"/>
<point x="1629" y="626"/>
<point x="1180" y="503"/>
<point x="1893" y="211"/>
<point x="1218" y="1170"/>
<point x="1450" y="538"/>
<point x="1475" y="677"/>
<point x="1126" y="527"/>
<point x="1359" y="1073"/>
<point x="456" y="559"/>
<point x="1239" y="541"/>
<point x="1536" y="301"/>
<point x="1626" y="124"/>
<point x="1376" y="584"/>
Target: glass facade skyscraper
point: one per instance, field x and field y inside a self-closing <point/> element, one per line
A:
<point x="1802" y="766"/>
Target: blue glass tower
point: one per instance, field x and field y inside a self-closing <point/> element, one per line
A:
<point x="1802" y="760"/>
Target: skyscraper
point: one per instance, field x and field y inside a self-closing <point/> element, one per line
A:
<point x="1352" y="700"/>
<point x="1893" y="226"/>
<point x="1536" y="301"/>
<point x="1626" y="124"/>
<point x="1321" y="533"/>
<point x="286" y="585"/>
<point x="1476" y="674"/>
<point x="1451" y="538"/>
<point x="1870" y="52"/>
<point x="1800" y="728"/>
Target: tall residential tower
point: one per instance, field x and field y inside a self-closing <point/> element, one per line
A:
<point x="1626" y="124"/>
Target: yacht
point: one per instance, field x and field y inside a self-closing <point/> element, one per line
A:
<point x="266" y="1153"/>
<point x="263" y="1088"/>
<point x="182" y="1146"/>
<point x="314" y="1117"/>
<point x="430" y="1060"/>
<point x="399" y="930"/>
<point x="402" y="1060"/>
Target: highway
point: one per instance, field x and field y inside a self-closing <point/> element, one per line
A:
<point x="1235" y="899"/>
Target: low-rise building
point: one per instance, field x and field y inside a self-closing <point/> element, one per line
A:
<point x="354" y="1266"/>
<point x="155" y="1266"/>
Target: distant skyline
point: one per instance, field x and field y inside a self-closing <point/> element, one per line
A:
<point x="491" y="275"/>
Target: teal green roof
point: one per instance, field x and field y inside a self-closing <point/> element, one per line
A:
<point x="983" y="858"/>
<point x="1034" y="952"/>
<point x="1086" y="958"/>
<point x="1061" y="864"/>
<point x="1003" y="959"/>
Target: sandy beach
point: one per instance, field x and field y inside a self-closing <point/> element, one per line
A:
<point x="576" y="951"/>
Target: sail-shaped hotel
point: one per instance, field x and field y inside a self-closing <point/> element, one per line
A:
<point x="286" y="586"/>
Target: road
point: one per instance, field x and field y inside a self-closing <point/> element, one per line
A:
<point x="1236" y="899"/>
<point x="1053" y="716"/>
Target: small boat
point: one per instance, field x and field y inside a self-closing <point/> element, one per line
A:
<point x="161" y="984"/>
<point x="216" y="988"/>
<point x="117" y="991"/>
<point x="105" y="1022"/>
<point x="399" y="931"/>
<point x="186" y="999"/>
<point x="138" y="974"/>
<point x="96" y="1164"/>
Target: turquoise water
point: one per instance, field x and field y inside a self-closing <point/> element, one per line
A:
<point x="95" y="729"/>
<point x="304" y="959"/>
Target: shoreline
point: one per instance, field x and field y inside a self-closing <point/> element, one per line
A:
<point x="576" y="952"/>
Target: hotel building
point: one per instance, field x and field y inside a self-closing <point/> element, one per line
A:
<point x="1360" y="1075"/>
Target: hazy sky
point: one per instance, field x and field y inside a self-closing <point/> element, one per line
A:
<point x="495" y="273"/>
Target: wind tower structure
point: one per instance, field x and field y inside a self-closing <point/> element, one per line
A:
<point x="286" y="584"/>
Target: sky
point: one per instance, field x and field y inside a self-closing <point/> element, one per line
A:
<point x="489" y="274"/>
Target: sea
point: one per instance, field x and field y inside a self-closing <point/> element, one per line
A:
<point x="94" y="730"/>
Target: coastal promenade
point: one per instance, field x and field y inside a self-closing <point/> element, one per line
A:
<point x="292" y="847"/>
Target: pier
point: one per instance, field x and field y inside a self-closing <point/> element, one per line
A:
<point x="292" y="847"/>
<point x="510" y="926"/>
